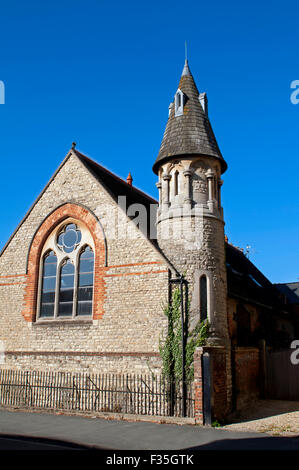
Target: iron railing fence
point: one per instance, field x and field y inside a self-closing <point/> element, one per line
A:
<point x="129" y="394"/>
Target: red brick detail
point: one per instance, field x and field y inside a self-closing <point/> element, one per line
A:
<point x="54" y="219"/>
<point x="198" y="386"/>
<point x="218" y="380"/>
<point x="247" y="367"/>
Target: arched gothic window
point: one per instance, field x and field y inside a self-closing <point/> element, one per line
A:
<point x="203" y="298"/>
<point x="66" y="273"/>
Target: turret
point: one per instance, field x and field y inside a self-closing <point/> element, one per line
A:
<point x="190" y="225"/>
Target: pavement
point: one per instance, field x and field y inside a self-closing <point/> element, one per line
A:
<point x="97" y="433"/>
<point x="274" y="417"/>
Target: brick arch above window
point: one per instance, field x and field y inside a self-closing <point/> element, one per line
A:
<point x="82" y="214"/>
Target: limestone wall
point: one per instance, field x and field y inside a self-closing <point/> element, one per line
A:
<point x="126" y="337"/>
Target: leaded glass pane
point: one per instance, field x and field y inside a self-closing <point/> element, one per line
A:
<point x="86" y="265"/>
<point x="50" y="258"/>
<point x="47" y="310"/>
<point x="68" y="268"/>
<point x="71" y="227"/>
<point x="66" y="295"/>
<point x="48" y="297"/>
<point x="85" y="279"/>
<point x="48" y="285"/>
<point x="60" y="239"/>
<point x="66" y="309"/>
<point x="66" y="290"/>
<point x="50" y="269"/>
<point x="85" y="293"/>
<point x="69" y="238"/>
<point x="87" y="253"/>
<point x="85" y="282"/>
<point x="84" y="308"/>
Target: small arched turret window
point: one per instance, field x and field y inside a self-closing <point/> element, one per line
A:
<point x="67" y="273"/>
<point x="179" y="103"/>
<point x="203" y="298"/>
<point x="176" y="183"/>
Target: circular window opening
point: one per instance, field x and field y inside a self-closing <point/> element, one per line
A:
<point x="69" y="238"/>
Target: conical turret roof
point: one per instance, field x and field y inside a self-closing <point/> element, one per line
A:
<point x="189" y="133"/>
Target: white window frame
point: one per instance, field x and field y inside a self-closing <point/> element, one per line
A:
<point x="179" y="103"/>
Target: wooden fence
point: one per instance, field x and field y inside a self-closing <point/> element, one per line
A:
<point x="132" y="394"/>
<point x="281" y="377"/>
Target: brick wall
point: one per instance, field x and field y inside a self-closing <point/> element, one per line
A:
<point x="246" y="376"/>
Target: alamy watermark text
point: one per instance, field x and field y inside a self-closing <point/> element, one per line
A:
<point x="295" y="94"/>
<point x="2" y="92"/>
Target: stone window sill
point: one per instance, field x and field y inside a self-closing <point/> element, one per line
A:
<point x="63" y="321"/>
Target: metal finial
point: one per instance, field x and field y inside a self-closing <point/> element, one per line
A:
<point x="186" y="70"/>
<point x="129" y="179"/>
<point x="74" y="145"/>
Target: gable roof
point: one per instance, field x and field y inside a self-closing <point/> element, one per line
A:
<point x="112" y="183"/>
<point x="116" y="185"/>
<point x="290" y="290"/>
<point x="190" y="133"/>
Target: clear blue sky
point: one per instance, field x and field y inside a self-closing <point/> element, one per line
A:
<point x="103" y="73"/>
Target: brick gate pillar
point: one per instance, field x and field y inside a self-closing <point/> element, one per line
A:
<point x="198" y="386"/>
<point x="218" y="383"/>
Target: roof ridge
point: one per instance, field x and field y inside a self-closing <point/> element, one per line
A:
<point x="286" y="283"/>
<point x="248" y="261"/>
<point x="101" y="167"/>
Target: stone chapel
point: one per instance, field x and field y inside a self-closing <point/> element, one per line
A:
<point x="85" y="276"/>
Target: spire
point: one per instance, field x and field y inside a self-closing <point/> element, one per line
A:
<point x="188" y="130"/>
<point x="186" y="70"/>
